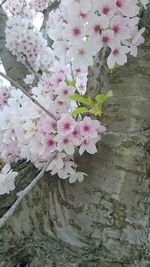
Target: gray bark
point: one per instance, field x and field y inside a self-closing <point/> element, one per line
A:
<point x="103" y="221"/>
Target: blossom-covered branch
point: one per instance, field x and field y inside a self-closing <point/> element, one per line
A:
<point x="26" y="93"/>
<point x="79" y="30"/>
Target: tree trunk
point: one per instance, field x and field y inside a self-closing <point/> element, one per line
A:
<point x="103" y="221"/>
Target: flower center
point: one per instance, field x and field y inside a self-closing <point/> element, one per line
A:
<point x="105" y="39"/>
<point x="85" y="142"/>
<point x="65" y="141"/>
<point x="106" y="10"/>
<point x="50" y="142"/>
<point x="65" y="91"/>
<point x="116" y="29"/>
<point x="86" y="128"/>
<point x="115" y="52"/>
<point x="119" y="3"/>
<point x="97" y="28"/>
<point x="76" y="31"/>
<point x="67" y="126"/>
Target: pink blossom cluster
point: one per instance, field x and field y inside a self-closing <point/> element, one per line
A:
<point x="80" y="29"/>
<point x="27" y="43"/>
<point x="35" y="136"/>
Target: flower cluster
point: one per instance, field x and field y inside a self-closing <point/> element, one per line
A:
<point x="28" y="44"/>
<point x="79" y="30"/>
<point x="35" y="136"/>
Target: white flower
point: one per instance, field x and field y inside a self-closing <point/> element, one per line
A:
<point x="7" y="179"/>
<point x="77" y="176"/>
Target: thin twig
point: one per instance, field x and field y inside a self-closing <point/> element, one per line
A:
<point x="3" y="3"/>
<point x="17" y="85"/>
<point x="23" y="193"/>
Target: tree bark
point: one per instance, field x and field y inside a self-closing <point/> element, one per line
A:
<point x="103" y="221"/>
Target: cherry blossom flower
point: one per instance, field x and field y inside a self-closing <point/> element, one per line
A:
<point x="88" y="144"/>
<point x="75" y="30"/>
<point x="80" y="54"/>
<point x="128" y="7"/>
<point x="106" y="7"/>
<point x="120" y="28"/>
<point x="89" y="127"/>
<point x="66" y="125"/>
<point x="65" y="171"/>
<point x="50" y="142"/>
<point x="65" y="143"/>
<point x="7" y="179"/>
<point x="57" y="162"/>
<point x="117" y="56"/>
<point x="77" y="176"/>
<point x="134" y="42"/>
<point x="106" y="39"/>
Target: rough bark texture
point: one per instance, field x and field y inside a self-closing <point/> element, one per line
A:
<point x="105" y="220"/>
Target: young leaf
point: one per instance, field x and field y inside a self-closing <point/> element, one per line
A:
<point x="96" y="110"/>
<point x="70" y="83"/>
<point x="78" y="111"/>
<point x="81" y="99"/>
<point x="102" y="98"/>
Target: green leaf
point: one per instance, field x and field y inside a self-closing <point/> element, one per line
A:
<point x="96" y="110"/>
<point x="78" y="111"/>
<point x="102" y="98"/>
<point x="70" y="83"/>
<point x="81" y="99"/>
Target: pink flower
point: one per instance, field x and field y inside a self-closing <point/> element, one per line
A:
<point x="65" y="171"/>
<point x="96" y="24"/>
<point x="89" y="127"/>
<point x="57" y="161"/>
<point x="64" y="90"/>
<point x="76" y="136"/>
<point x="47" y="126"/>
<point x="106" y="39"/>
<point x="66" y="124"/>
<point x="128" y="8"/>
<point x="119" y="26"/>
<point x="50" y="142"/>
<point x="135" y="41"/>
<point x="60" y="105"/>
<point x="80" y="54"/>
<point x="117" y="56"/>
<point x="65" y="143"/>
<point x="74" y="30"/>
<point x="88" y="144"/>
<point x="105" y="7"/>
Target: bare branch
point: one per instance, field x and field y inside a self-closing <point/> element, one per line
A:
<point x="27" y="94"/>
<point x="23" y="193"/>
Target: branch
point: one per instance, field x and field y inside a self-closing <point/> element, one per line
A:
<point x="25" y="92"/>
<point x="46" y="12"/>
<point x="3" y="2"/>
<point x="23" y="193"/>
